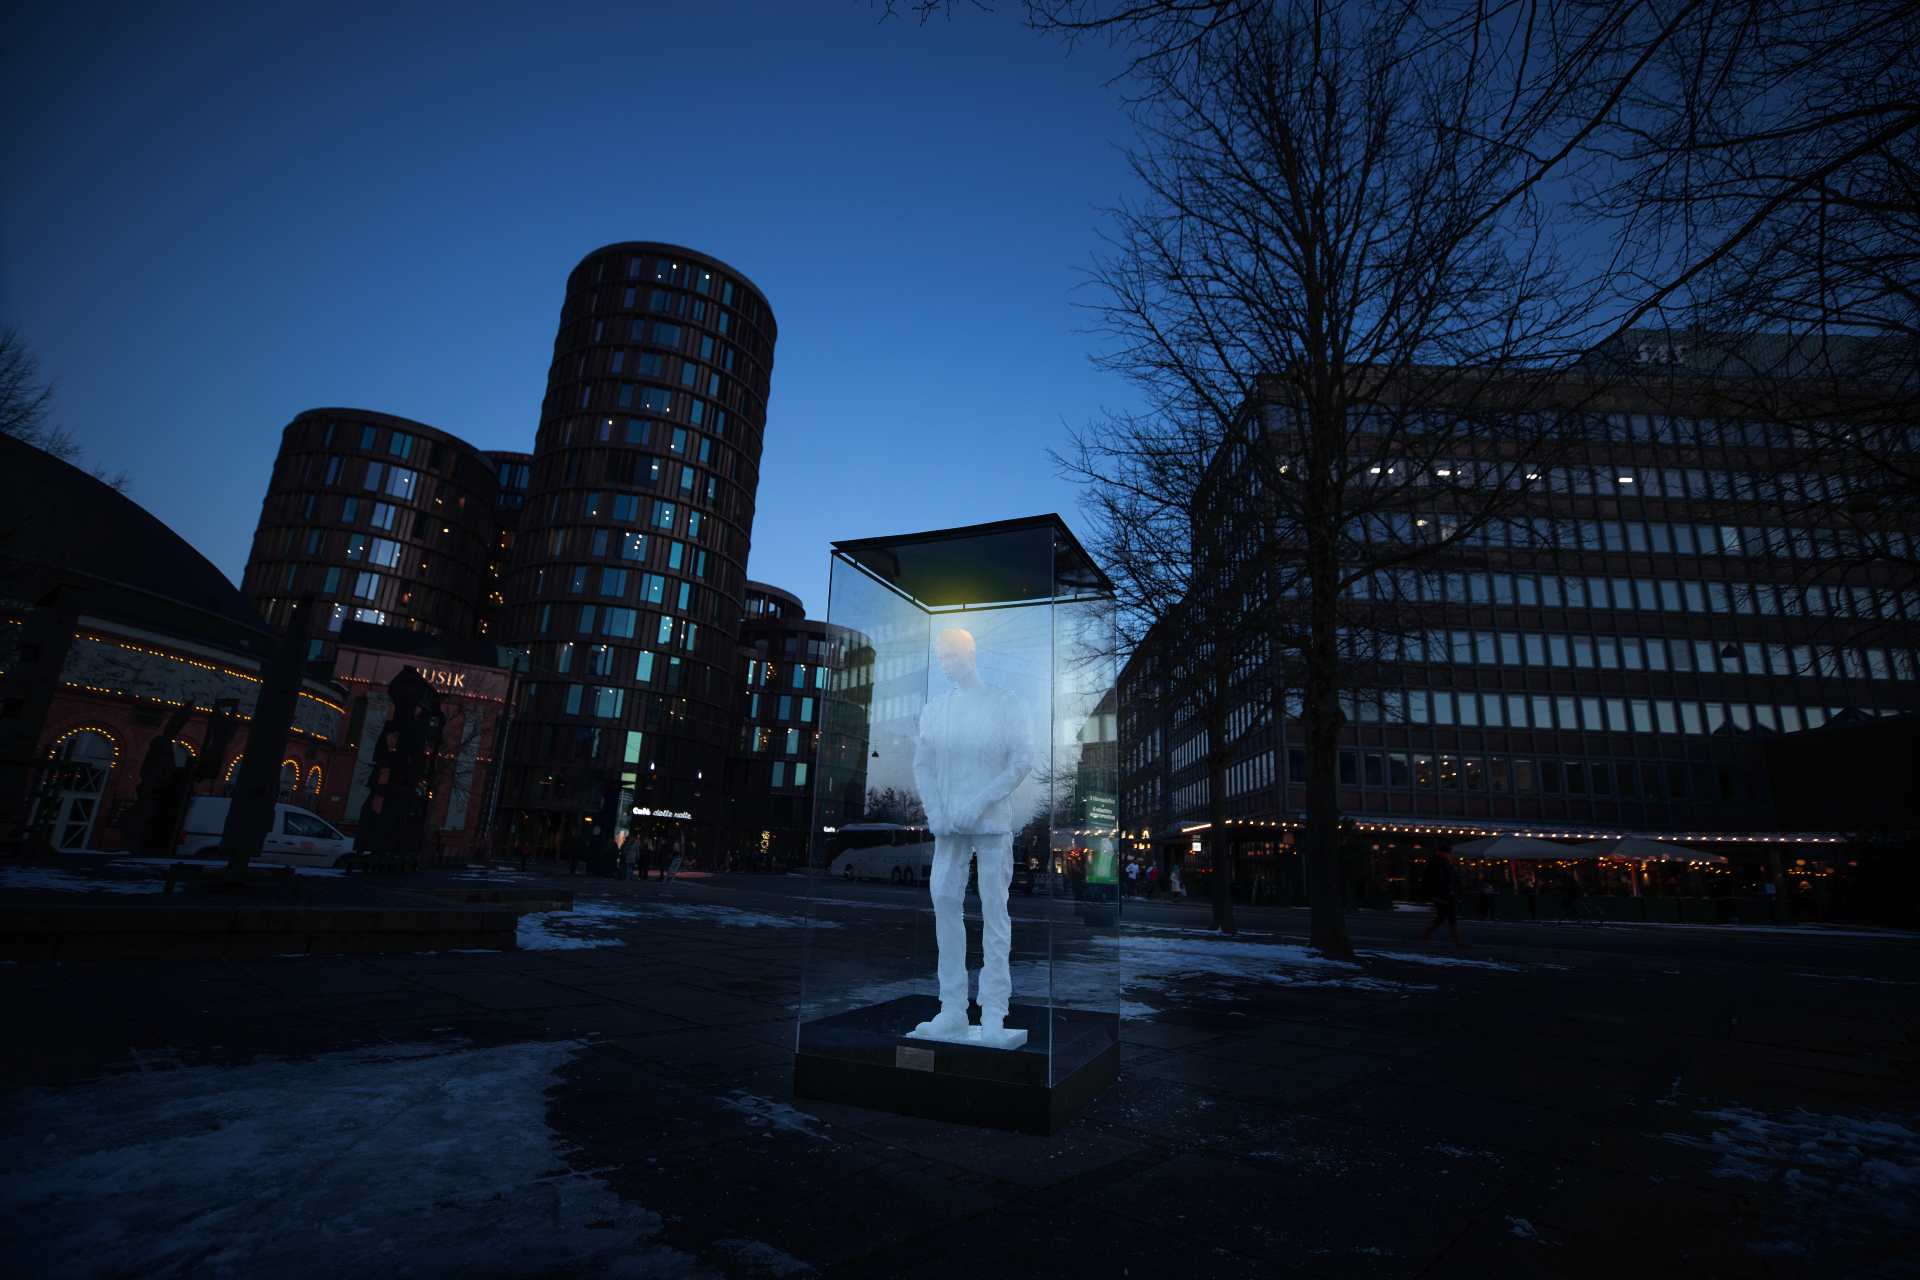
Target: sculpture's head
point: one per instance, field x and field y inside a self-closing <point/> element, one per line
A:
<point x="954" y="650"/>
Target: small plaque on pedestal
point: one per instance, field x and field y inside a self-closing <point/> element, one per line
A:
<point x="864" y="1057"/>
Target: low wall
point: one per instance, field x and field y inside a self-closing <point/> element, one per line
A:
<point x="101" y="931"/>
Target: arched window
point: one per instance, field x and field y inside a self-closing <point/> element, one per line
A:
<point x="314" y="779"/>
<point x="76" y="780"/>
<point x="289" y="778"/>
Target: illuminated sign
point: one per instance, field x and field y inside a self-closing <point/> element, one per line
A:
<point x="679" y="815"/>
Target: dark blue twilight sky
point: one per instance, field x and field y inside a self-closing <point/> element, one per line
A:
<point x="212" y="220"/>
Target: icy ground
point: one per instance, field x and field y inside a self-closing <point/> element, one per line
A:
<point x="1851" y="1178"/>
<point x="588" y="925"/>
<point x="1140" y="973"/>
<point x="71" y="882"/>
<point x="352" y="1164"/>
<point x="592" y="924"/>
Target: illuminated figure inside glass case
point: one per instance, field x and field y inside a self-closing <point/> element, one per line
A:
<point x="965" y="796"/>
<point x="974" y="749"/>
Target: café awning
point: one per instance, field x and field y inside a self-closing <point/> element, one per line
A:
<point x="1519" y="848"/>
<point x="1641" y="849"/>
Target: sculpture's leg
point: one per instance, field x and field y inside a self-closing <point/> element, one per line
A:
<point x="948" y="887"/>
<point x="994" y="856"/>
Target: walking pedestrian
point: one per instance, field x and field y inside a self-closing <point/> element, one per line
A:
<point x="1179" y="889"/>
<point x="1133" y="879"/>
<point x="522" y="851"/>
<point x="1438" y="881"/>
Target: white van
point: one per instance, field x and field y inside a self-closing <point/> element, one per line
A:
<point x="881" y="851"/>
<point x="298" y="838"/>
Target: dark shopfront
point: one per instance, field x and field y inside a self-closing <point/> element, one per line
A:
<point x="657" y="836"/>
<point x="1265" y="865"/>
<point x="1814" y="877"/>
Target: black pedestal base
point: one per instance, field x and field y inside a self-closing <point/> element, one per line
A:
<point x="864" y="1058"/>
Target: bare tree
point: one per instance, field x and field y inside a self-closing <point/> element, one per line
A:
<point x="26" y="401"/>
<point x="26" y="406"/>
<point x="1763" y="179"/>
<point x="894" y="805"/>
<point x="1343" y="301"/>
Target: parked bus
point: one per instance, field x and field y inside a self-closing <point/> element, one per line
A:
<point x="881" y="851"/>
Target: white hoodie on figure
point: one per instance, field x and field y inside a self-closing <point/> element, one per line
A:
<point x="972" y="753"/>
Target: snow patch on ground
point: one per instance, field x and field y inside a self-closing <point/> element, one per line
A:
<point x="1440" y="960"/>
<point x="71" y="882"/>
<point x="1524" y="1229"/>
<point x="1178" y="968"/>
<point x="1853" y="1178"/>
<point x="766" y="1113"/>
<point x="1791" y="930"/>
<point x="583" y="928"/>
<point x="591" y="924"/>
<point x="1461" y="1153"/>
<point x="921" y="905"/>
<point x="727" y="917"/>
<point x="362" y="1163"/>
<point x="1122" y="973"/>
<point x="1853" y="977"/>
<point x="756" y="1257"/>
<point x="257" y="864"/>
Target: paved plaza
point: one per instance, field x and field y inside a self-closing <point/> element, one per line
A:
<point x="614" y="1098"/>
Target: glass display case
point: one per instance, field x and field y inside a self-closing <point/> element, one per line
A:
<point x="961" y="958"/>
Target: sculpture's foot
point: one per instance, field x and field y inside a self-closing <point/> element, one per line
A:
<point x="948" y="1024"/>
<point x="993" y="1033"/>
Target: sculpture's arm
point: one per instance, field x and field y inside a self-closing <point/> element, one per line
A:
<point x="1016" y="745"/>
<point x="926" y="774"/>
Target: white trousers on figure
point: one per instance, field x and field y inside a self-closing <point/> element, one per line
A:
<point x="994" y="854"/>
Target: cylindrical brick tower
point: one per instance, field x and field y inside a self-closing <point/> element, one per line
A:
<point x="381" y="519"/>
<point x="630" y="558"/>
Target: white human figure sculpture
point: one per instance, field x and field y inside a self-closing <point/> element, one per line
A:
<point x="972" y="752"/>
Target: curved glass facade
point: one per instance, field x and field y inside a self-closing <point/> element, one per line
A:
<point x="627" y="579"/>
<point x="380" y="519"/>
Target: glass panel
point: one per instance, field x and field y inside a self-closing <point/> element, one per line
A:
<point x="965" y="811"/>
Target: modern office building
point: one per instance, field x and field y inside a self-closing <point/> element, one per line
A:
<point x="1680" y="603"/>
<point x="629" y="569"/>
<point x="381" y="519"/>
<point x="786" y="660"/>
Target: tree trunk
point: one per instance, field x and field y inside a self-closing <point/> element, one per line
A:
<point x="1218" y="840"/>
<point x="1327" y="919"/>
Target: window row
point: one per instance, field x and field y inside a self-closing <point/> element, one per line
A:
<point x="1587" y="713"/>
<point x="661" y="516"/>
<point x="399" y="444"/>
<point x="703" y="413"/>
<point x="1651" y="537"/>
<point x="787" y="708"/>
<point x="1685" y="430"/>
<point x="1639" y="653"/>
<point x="627" y="624"/>
<point x="786" y="742"/>
<point x="1647" y="595"/>
<point x="762" y="673"/>
<point x="1655" y="780"/>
